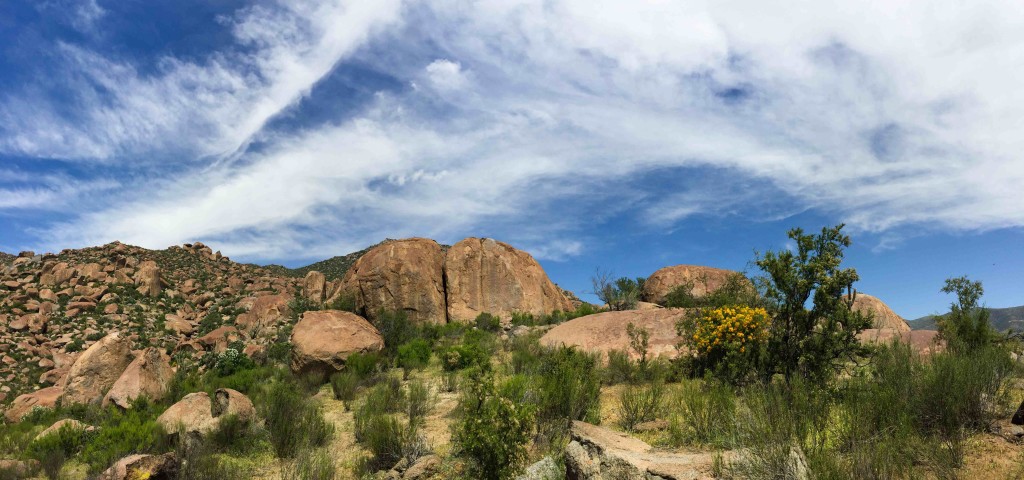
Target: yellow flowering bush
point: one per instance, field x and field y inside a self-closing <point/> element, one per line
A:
<point x="726" y="340"/>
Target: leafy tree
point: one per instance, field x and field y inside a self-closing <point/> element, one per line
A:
<point x="810" y="343"/>
<point x="621" y="294"/>
<point x="966" y="326"/>
<point x="737" y="290"/>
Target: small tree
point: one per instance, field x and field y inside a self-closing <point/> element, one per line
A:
<point x="494" y="430"/>
<point x="810" y="343"/>
<point x="965" y="328"/>
<point x="621" y="294"/>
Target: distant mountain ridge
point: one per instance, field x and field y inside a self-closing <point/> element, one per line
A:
<point x="1002" y="319"/>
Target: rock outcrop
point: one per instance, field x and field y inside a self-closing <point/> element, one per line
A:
<point x="139" y="466"/>
<point x="25" y="403"/>
<point x="604" y="332"/>
<point x="264" y="313"/>
<point x="884" y="317"/>
<point x="148" y="279"/>
<point x="597" y="453"/>
<point x="483" y="275"/>
<point x="401" y="275"/>
<point x="314" y="287"/>
<point x="704" y="280"/>
<point x="193" y="414"/>
<point x="197" y="414"/>
<point x="322" y="340"/>
<point x="96" y="370"/>
<point x="149" y="375"/>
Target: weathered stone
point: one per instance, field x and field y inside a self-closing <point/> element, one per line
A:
<point x="263" y="312"/>
<point x="322" y="340"/>
<point x="67" y="422"/>
<point x="147" y="278"/>
<point x="703" y="279"/>
<point x="924" y="342"/>
<point x="314" y="287"/>
<point x="1018" y="416"/>
<point x="597" y="453"/>
<point x="139" y="466"/>
<point x="488" y="276"/>
<point x="604" y="332"/>
<point x="24" y="404"/>
<point x="149" y="375"/>
<point x="193" y="414"/>
<point x="882" y="315"/>
<point x="97" y="369"/>
<point x="232" y="402"/>
<point x="423" y="468"/>
<point x="401" y="275"/>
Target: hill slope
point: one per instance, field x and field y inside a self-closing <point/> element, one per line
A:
<point x="6" y="258"/>
<point x="1002" y="319"/>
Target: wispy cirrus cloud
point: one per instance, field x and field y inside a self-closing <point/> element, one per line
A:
<point x="533" y="118"/>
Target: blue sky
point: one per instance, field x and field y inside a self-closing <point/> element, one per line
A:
<point x="620" y="135"/>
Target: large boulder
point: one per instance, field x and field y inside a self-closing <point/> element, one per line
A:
<point x="148" y="279"/>
<point x="138" y="466"/>
<point x="263" y="312"/>
<point x="149" y="375"/>
<point x="483" y="275"/>
<point x="597" y="453"/>
<point x="69" y="423"/>
<point x="401" y="275"/>
<point x="96" y="370"/>
<point x="196" y="414"/>
<point x="704" y="280"/>
<point x="884" y="317"/>
<point x="314" y="287"/>
<point x="322" y="340"/>
<point x="23" y="405"/>
<point x="193" y="414"/>
<point x="604" y="332"/>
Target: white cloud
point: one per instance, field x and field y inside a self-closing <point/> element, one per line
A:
<point x="884" y="115"/>
<point x="202" y="108"/>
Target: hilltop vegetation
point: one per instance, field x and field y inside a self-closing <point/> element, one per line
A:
<point x="6" y="258"/>
<point x="1002" y="319"/>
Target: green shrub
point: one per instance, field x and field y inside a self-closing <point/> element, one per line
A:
<point x="414" y="355"/>
<point x="619" y="369"/>
<point x="703" y="413"/>
<point x="569" y="387"/>
<point x="395" y="328"/>
<point x="55" y="448"/>
<point x="344" y="302"/>
<point x="123" y="433"/>
<point x="386" y="438"/>
<point x="74" y="346"/>
<point x="419" y="402"/>
<point x="210" y="322"/>
<point x="236" y="436"/>
<point x="310" y="464"/>
<point x="475" y="350"/>
<point x="293" y="419"/>
<point x="488" y="322"/>
<point x="299" y="304"/>
<point x="493" y="431"/>
<point x="640" y="403"/>
<point x="363" y="365"/>
<point x="344" y="385"/>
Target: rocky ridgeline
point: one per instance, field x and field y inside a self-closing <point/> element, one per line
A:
<point x="185" y="300"/>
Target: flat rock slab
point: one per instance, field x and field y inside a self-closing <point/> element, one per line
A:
<point x="599" y="453"/>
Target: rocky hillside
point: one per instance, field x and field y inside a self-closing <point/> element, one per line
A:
<point x="184" y="300"/>
<point x="1002" y="319"/>
<point x="333" y="268"/>
<point x="6" y="258"/>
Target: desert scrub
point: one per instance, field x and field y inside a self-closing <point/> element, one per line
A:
<point x="703" y="412"/>
<point x="726" y="340"/>
<point x="344" y="386"/>
<point x="568" y="387"/>
<point x="640" y="403"/>
<point x="493" y="431"/>
<point x="293" y="419"/>
<point x="57" y="447"/>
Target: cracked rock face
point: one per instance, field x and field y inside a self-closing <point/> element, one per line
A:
<point x="401" y="275"/>
<point x="483" y="275"/>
